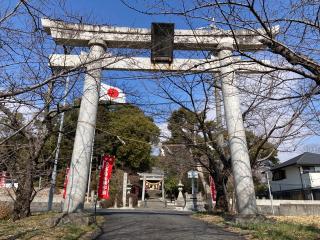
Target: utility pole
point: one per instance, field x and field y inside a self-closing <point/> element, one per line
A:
<point x="90" y="168"/>
<point x="270" y="194"/>
<point x="218" y="103"/>
<point x="56" y="158"/>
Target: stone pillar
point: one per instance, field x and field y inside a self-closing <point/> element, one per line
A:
<point x="244" y="188"/>
<point x="82" y="148"/>
<point x="92" y="196"/>
<point x="124" y="189"/>
<point x="162" y="188"/>
<point x="143" y="188"/>
<point x="115" y="205"/>
<point x="130" y="202"/>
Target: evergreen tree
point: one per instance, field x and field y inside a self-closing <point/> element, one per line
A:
<point x="121" y="130"/>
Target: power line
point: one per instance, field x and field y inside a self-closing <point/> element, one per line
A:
<point x="147" y="143"/>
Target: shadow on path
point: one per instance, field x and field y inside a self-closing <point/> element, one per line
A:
<point x="159" y="225"/>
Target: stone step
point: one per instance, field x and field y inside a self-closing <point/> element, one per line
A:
<point x="157" y="204"/>
<point x="154" y="193"/>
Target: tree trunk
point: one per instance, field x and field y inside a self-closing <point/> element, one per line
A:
<point x="222" y="195"/>
<point x="226" y="194"/>
<point x="23" y="194"/>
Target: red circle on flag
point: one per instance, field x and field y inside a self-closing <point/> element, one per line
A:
<point x="113" y="93"/>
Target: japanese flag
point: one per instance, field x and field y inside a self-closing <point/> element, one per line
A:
<point x="113" y="94"/>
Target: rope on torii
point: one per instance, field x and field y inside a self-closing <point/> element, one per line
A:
<point x="151" y="185"/>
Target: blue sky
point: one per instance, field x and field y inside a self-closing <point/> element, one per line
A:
<point x="115" y="13"/>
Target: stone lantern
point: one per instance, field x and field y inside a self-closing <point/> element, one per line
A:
<point x="180" y="200"/>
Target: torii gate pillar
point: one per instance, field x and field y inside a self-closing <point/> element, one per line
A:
<point x="243" y="182"/>
<point x="82" y="148"/>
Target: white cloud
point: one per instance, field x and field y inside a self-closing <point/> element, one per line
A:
<point x="164" y="131"/>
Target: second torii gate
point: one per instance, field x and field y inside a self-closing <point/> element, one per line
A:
<point x="99" y="38"/>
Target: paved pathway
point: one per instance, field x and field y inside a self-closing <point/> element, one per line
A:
<point x="159" y="225"/>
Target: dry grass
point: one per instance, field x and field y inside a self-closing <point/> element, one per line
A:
<point x="35" y="228"/>
<point x="5" y="210"/>
<point x="220" y="221"/>
<point x="304" y="220"/>
<point x="214" y="219"/>
<point x="274" y="228"/>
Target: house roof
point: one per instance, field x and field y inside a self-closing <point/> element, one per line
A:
<point x="305" y="159"/>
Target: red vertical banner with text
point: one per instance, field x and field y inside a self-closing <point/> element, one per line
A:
<point x="65" y="184"/>
<point x="105" y="175"/>
<point x="213" y="190"/>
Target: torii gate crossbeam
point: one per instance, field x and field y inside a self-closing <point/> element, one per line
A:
<point x="179" y="65"/>
<point x="140" y="38"/>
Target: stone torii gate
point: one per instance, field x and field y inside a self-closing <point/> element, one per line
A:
<point x="153" y="177"/>
<point x="99" y="38"/>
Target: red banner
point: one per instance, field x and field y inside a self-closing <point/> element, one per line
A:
<point x="65" y="184"/>
<point x="213" y="189"/>
<point x="105" y="175"/>
<point x="3" y="179"/>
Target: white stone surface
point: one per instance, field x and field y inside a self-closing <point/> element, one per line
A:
<point x="242" y="174"/>
<point x="124" y="37"/>
<point x="144" y="64"/>
<point x="81" y="155"/>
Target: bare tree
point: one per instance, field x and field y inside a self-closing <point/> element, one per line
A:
<point x="291" y="48"/>
<point x="30" y="95"/>
<point x="199" y="127"/>
<point x="32" y="90"/>
<point x="277" y="107"/>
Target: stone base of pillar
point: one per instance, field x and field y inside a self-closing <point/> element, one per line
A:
<point x="130" y="202"/>
<point x="81" y="218"/>
<point x="180" y="202"/>
<point x="115" y="205"/>
<point x="194" y="203"/>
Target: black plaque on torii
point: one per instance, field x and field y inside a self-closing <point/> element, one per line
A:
<point x="162" y="37"/>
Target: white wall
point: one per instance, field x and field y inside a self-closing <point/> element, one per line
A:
<point x="292" y="180"/>
<point x="277" y="202"/>
<point x="311" y="179"/>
